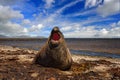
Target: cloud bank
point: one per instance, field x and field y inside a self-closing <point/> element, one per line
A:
<point x="7" y="27"/>
<point x="95" y="19"/>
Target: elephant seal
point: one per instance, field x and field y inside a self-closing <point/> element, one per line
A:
<point x="55" y="52"/>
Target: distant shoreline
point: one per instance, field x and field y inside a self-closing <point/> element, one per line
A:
<point x="65" y="39"/>
<point x="47" y="38"/>
<point x="105" y="45"/>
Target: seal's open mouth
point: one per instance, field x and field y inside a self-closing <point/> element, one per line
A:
<point x="55" y="36"/>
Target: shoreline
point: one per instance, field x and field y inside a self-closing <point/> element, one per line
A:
<point x="5" y="49"/>
<point x="105" y="45"/>
<point x="109" y="51"/>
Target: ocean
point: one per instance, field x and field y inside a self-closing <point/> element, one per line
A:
<point x="104" y="47"/>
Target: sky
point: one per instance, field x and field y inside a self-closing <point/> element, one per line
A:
<point x="75" y="18"/>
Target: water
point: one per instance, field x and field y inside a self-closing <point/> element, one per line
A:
<point x="76" y="46"/>
<point x="90" y="53"/>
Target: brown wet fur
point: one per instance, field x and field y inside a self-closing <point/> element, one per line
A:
<point x="54" y="53"/>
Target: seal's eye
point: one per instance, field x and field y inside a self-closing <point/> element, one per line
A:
<point x="55" y="36"/>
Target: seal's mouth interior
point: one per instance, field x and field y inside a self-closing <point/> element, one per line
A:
<point x="55" y="36"/>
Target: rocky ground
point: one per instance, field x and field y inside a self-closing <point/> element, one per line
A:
<point x="16" y="64"/>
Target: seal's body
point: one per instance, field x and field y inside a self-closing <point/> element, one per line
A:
<point x="55" y="52"/>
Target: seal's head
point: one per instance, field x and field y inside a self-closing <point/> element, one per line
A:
<point x="56" y="38"/>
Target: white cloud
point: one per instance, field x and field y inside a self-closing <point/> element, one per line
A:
<point x="88" y="4"/>
<point x="118" y="23"/>
<point x="9" y="2"/>
<point x="25" y="30"/>
<point x="92" y="3"/>
<point x="83" y="32"/>
<point x="68" y="28"/>
<point x="55" y="17"/>
<point x="107" y="8"/>
<point x="104" y="31"/>
<point x="36" y="28"/>
<point x="49" y="3"/>
<point x="12" y="29"/>
<point x="93" y="33"/>
<point x="94" y="20"/>
<point x="7" y="27"/>
<point x="110" y="7"/>
<point x="82" y="13"/>
<point x="26" y="22"/>
<point x="115" y="24"/>
<point x="6" y="13"/>
<point x="67" y="6"/>
<point x="115" y="30"/>
<point x="76" y="30"/>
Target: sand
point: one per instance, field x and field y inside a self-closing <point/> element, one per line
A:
<point x="16" y="64"/>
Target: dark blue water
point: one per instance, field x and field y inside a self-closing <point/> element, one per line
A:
<point x="90" y="53"/>
<point x="36" y="44"/>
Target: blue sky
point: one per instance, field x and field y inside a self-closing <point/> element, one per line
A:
<point x="75" y="18"/>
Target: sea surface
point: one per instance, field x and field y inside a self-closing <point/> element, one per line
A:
<point x="85" y="46"/>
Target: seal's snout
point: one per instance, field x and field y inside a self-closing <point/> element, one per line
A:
<point x="55" y="29"/>
<point x="55" y="38"/>
<point x="55" y="34"/>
